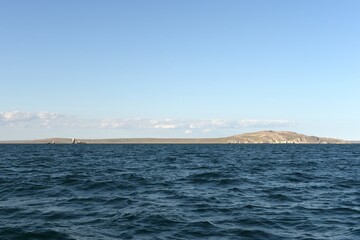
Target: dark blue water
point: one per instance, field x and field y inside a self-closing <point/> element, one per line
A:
<point x="179" y="192"/>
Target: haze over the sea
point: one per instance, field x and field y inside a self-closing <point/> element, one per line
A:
<point x="115" y="69"/>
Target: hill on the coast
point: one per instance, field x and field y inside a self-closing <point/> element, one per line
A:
<point x="262" y="137"/>
<point x="280" y="137"/>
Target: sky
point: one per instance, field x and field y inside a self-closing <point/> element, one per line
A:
<point x="182" y="68"/>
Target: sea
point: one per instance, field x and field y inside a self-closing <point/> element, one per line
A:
<point x="192" y="191"/>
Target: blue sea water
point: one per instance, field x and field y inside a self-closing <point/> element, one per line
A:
<point x="180" y="192"/>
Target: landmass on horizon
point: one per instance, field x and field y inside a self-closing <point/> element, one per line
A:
<point x="261" y="137"/>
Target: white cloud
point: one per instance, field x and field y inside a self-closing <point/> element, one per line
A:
<point x="165" y="126"/>
<point x="56" y="120"/>
<point x="16" y="116"/>
<point x="262" y="123"/>
<point x="204" y="125"/>
<point x="206" y="130"/>
<point x="188" y="131"/>
<point x="29" y="119"/>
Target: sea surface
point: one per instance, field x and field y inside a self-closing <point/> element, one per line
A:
<point x="179" y="192"/>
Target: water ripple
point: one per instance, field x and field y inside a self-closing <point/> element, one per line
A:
<point x="179" y="192"/>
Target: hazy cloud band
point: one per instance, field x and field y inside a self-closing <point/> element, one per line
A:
<point x="56" y="120"/>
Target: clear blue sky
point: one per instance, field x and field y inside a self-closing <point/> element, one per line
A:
<point x="83" y="68"/>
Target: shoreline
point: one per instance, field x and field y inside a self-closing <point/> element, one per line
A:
<point x="262" y="137"/>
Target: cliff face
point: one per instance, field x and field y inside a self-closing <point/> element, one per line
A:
<point x="280" y="137"/>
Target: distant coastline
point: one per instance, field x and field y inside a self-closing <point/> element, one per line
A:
<point x="262" y="137"/>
